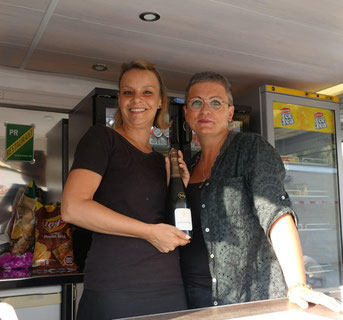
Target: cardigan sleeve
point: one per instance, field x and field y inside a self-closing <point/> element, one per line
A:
<point x="265" y="175"/>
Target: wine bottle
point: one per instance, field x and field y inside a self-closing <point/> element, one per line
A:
<point x="179" y="211"/>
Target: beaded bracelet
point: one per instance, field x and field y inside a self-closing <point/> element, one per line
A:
<point x="298" y="285"/>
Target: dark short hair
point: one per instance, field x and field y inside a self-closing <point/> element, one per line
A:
<point x="160" y="118"/>
<point x="209" y="76"/>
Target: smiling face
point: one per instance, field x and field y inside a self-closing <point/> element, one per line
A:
<point x="207" y="121"/>
<point x="139" y="98"/>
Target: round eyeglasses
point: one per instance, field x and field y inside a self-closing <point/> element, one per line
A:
<point x="215" y="104"/>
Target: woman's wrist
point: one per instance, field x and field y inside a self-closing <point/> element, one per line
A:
<point x="145" y="231"/>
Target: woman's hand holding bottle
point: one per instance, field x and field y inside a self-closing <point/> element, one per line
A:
<point x="165" y="237"/>
<point x="185" y="176"/>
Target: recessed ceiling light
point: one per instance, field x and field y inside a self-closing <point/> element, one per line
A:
<point x="48" y="117"/>
<point x="99" y="67"/>
<point x="149" y="16"/>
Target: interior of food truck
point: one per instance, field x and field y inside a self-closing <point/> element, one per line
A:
<point x="59" y="65"/>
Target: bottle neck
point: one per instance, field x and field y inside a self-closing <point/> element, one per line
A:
<point x="174" y="165"/>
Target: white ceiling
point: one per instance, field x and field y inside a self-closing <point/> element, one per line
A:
<point x="292" y="43"/>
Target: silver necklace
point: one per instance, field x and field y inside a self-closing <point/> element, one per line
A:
<point x="204" y="176"/>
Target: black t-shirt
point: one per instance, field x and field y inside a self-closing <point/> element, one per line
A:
<point x="194" y="256"/>
<point x="134" y="184"/>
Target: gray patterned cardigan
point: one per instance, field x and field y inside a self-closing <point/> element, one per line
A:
<point x="240" y="202"/>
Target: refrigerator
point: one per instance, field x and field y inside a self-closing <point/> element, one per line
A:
<point x="32" y="301"/>
<point x="57" y="166"/>
<point x="305" y="129"/>
<point x="100" y="106"/>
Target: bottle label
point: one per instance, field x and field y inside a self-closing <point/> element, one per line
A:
<point x="183" y="219"/>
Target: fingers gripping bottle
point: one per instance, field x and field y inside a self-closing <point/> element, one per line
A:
<point x="179" y="210"/>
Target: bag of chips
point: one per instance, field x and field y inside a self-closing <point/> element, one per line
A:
<point x="11" y="261"/>
<point x="53" y="247"/>
<point x="22" y="230"/>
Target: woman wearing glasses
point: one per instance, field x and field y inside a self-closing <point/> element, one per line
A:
<point x="245" y="244"/>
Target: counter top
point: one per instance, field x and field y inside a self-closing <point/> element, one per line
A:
<point x="34" y="278"/>
<point x="278" y="309"/>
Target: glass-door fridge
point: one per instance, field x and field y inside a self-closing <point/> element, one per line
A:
<point x="304" y="127"/>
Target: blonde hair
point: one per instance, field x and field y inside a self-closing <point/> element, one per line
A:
<point x="160" y="118"/>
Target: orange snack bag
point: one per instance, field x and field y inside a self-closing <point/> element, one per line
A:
<point x="53" y="247"/>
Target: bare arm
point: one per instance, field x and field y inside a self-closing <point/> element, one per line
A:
<point x="79" y="208"/>
<point x="286" y="243"/>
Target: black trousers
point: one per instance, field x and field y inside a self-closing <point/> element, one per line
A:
<point x="115" y="304"/>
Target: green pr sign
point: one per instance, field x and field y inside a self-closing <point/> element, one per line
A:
<point x="19" y="142"/>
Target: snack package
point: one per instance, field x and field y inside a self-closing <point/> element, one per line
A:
<point x="22" y="231"/>
<point x="53" y="247"/>
<point x="9" y="226"/>
<point x="15" y="273"/>
<point x="11" y="261"/>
